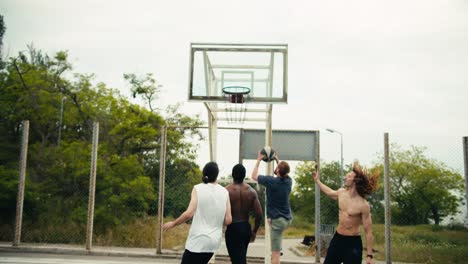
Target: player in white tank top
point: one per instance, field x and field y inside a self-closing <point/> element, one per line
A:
<point x="207" y="225"/>
<point x="211" y="209"/>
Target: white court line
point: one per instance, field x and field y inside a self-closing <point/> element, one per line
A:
<point x="30" y="260"/>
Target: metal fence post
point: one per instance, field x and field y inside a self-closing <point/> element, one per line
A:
<point x="465" y="154"/>
<point x="162" y="177"/>
<point x="388" y="255"/>
<point x="318" y="240"/>
<point x="268" y="171"/>
<point x="92" y="186"/>
<point x="21" y="182"/>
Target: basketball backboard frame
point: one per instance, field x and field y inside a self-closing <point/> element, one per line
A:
<point x="261" y="67"/>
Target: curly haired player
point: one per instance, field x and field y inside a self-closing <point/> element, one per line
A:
<point x="354" y="210"/>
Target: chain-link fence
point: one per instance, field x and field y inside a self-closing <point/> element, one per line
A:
<point x="180" y="179"/>
<point x="427" y="200"/>
<point x="427" y="204"/>
<point x="427" y="210"/>
<point x="56" y="214"/>
<point x="56" y="190"/>
<point x="125" y="207"/>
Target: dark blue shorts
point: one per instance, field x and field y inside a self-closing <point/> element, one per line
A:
<point x="237" y="240"/>
<point x="344" y="249"/>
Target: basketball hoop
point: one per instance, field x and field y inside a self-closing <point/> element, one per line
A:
<point x="236" y="96"/>
<point x="236" y="93"/>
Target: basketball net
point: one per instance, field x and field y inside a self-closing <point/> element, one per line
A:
<point x="235" y="108"/>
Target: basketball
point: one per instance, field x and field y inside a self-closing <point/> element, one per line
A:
<point x="268" y="154"/>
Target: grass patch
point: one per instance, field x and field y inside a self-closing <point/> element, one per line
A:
<point x="299" y="228"/>
<point x="70" y="233"/>
<point x="424" y="244"/>
<point x="142" y="233"/>
<point x="420" y="244"/>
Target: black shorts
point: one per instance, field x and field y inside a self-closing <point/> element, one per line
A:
<point x="344" y="249"/>
<point x="237" y="240"/>
<point x="196" y="258"/>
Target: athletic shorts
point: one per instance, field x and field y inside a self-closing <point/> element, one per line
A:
<point x="196" y="258"/>
<point x="237" y="241"/>
<point x="344" y="249"/>
<point x="278" y="225"/>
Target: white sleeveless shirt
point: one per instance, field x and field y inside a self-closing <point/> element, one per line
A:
<point x="207" y="225"/>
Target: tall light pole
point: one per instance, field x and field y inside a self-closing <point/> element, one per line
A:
<point x="60" y="122"/>
<point x="341" y="137"/>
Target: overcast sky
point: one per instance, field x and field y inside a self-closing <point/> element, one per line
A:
<point x="362" y="67"/>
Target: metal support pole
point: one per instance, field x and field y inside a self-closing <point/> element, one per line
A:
<point x="162" y="177"/>
<point x="318" y="240"/>
<point x="21" y="182"/>
<point x="60" y="122"/>
<point x="269" y="171"/>
<point x="342" y="161"/>
<point x="465" y="154"/>
<point x="241" y="146"/>
<point x="92" y="186"/>
<point x="212" y="135"/>
<point x="388" y="255"/>
<point x="269" y="165"/>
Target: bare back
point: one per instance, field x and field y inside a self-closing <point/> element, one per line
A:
<point x="243" y="200"/>
<point x="351" y="208"/>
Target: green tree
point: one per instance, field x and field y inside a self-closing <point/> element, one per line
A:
<point x="146" y="87"/>
<point x="303" y="198"/>
<point x="33" y="86"/>
<point x="423" y="189"/>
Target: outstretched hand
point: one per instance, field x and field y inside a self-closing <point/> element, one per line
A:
<point x="259" y="155"/>
<point x="276" y="157"/>
<point x="168" y="225"/>
<point x="315" y="175"/>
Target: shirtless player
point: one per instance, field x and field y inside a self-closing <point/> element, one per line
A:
<point x="354" y="210"/>
<point x="243" y="199"/>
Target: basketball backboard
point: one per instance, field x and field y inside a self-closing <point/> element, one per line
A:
<point x="261" y="68"/>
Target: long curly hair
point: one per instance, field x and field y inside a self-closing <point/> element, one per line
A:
<point x="365" y="180"/>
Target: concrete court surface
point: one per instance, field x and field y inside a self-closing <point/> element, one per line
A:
<point x="40" y="258"/>
<point x="55" y="254"/>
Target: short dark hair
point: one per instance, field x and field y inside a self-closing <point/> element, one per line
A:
<point x="238" y="173"/>
<point x="210" y="172"/>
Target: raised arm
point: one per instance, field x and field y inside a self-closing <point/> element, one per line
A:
<point x="257" y="164"/>
<point x="367" y="224"/>
<point x="276" y="158"/>
<point x="187" y="215"/>
<point x="327" y="190"/>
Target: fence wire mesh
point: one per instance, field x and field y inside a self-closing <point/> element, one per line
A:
<point x="56" y="194"/>
<point x="428" y="207"/>
<point x="56" y="190"/>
